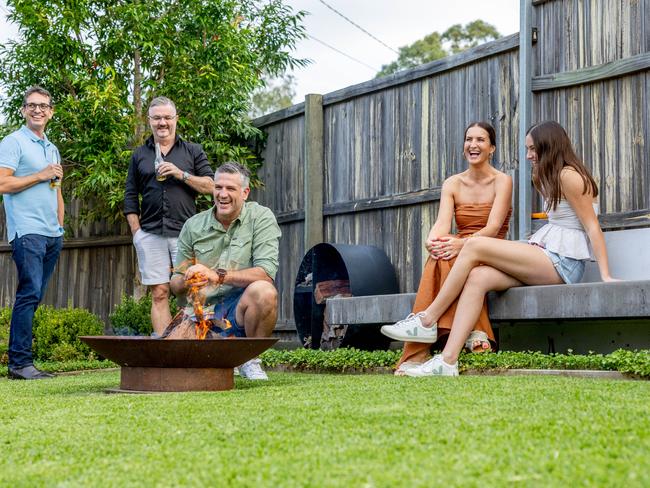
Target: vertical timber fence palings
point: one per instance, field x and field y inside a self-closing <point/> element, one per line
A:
<point x="389" y="143"/>
<point x="523" y="184"/>
<point x="96" y="267"/>
<point x="386" y="145"/>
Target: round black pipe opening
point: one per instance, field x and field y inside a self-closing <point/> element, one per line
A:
<point x="346" y="269"/>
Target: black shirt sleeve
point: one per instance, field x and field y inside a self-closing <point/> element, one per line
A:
<point x="131" y="201"/>
<point x="201" y="163"/>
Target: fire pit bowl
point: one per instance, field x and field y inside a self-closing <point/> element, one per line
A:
<point x="149" y="364"/>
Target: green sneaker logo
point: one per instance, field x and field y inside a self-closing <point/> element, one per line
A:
<point x="412" y="333"/>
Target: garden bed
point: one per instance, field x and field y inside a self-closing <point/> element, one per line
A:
<point x="630" y="364"/>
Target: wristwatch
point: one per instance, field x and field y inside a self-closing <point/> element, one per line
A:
<point x="221" y="273"/>
<point x="186" y="176"/>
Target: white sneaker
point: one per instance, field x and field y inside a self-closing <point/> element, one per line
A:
<point x="401" y="370"/>
<point x="411" y="329"/>
<point x="252" y="370"/>
<point x="433" y="367"/>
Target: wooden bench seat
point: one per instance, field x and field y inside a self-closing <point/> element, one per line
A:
<point x="625" y="301"/>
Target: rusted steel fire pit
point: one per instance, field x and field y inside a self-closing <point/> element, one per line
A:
<point x="149" y="364"/>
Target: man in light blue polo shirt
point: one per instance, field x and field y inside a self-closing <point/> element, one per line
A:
<point x="30" y="182"/>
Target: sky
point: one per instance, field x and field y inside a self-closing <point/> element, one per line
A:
<point x="395" y="23"/>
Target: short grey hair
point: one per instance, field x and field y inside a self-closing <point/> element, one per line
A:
<point x="36" y="89"/>
<point x="158" y="101"/>
<point x="232" y="168"/>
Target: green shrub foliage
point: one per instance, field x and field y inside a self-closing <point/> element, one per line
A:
<point x="133" y="317"/>
<point x="57" y="331"/>
<point x="104" y="62"/>
<point x="5" y="322"/>
<point x="636" y="363"/>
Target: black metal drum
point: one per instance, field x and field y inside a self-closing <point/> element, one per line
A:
<point x="367" y="271"/>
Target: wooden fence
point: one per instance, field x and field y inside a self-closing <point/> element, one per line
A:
<point x="97" y="265"/>
<point x="365" y="164"/>
<point x="388" y="144"/>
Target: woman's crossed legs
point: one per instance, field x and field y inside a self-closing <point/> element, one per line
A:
<point x="485" y="264"/>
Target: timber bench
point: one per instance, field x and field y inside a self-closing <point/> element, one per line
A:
<point x="623" y="307"/>
<point x="626" y="299"/>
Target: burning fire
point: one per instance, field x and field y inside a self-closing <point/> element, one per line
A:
<point x="198" y="299"/>
<point x="196" y="283"/>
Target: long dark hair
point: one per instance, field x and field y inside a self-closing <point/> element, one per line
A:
<point x="487" y="127"/>
<point x="554" y="152"/>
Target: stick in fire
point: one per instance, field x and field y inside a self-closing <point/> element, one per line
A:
<point x="196" y="293"/>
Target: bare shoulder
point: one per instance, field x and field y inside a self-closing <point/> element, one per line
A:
<point x="502" y="178"/>
<point x="452" y="180"/>
<point x="452" y="183"/>
<point x="502" y="181"/>
<point x="570" y="180"/>
<point x="574" y="185"/>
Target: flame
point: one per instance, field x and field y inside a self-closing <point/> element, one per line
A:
<point x="225" y="324"/>
<point x="198" y="298"/>
<point x="194" y="293"/>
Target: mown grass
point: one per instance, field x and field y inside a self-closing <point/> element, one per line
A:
<point x="328" y="430"/>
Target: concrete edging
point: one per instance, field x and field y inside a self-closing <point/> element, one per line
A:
<point x="571" y="373"/>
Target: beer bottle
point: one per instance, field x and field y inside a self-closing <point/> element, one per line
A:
<point x="54" y="159"/>
<point x="157" y="162"/>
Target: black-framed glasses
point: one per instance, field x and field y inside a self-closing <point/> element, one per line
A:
<point x="158" y="118"/>
<point x="34" y="106"/>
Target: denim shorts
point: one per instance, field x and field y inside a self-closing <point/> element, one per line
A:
<point x="223" y="308"/>
<point x="570" y="270"/>
<point x="227" y="309"/>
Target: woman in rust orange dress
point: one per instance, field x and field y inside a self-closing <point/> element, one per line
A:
<point x="479" y="200"/>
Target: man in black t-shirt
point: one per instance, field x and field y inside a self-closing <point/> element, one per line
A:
<point x="168" y="194"/>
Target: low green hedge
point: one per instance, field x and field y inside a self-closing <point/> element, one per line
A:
<point x="133" y="317"/>
<point x="631" y="362"/>
<point x="5" y="321"/>
<point x="56" y="333"/>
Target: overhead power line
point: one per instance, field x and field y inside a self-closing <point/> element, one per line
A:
<point x="342" y="53"/>
<point x="358" y="26"/>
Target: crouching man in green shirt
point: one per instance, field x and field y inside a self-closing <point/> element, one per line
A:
<point x="232" y="249"/>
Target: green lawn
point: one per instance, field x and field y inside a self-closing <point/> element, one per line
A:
<point x="329" y="430"/>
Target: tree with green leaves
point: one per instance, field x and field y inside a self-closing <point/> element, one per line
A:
<point x="276" y="94"/>
<point x="435" y="46"/>
<point x="470" y="35"/>
<point x="103" y="60"/>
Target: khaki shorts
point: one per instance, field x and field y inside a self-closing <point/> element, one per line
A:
<point x="156" y="256"/>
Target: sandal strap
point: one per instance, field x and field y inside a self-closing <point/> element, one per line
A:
<point x="476" y="336"/>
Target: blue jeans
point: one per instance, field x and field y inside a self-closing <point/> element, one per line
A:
<point x="35" y="257"/>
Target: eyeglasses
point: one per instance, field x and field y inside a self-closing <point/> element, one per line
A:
<point x="158" y="118"/>
<point x="34" y="106"/>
